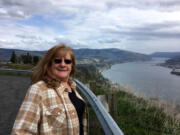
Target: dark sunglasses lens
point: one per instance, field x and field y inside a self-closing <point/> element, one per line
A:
<point x="57" y="61"/>
<point x="67" y="61"/>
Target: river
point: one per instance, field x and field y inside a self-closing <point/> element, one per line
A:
<point x="147" y="79"/>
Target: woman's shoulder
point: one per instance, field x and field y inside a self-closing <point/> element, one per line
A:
<point x="39" y="89"/>
<point x="40" y="85"/>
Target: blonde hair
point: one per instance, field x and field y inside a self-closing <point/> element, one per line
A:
<point x="41" y="71"/>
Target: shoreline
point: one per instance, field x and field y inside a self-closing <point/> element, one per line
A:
<point x="173" y="110"/>
<point x="167" y="108"/>
<point x="170" y="67"/>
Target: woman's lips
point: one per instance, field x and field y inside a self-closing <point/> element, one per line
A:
<point x="61" y="70"/>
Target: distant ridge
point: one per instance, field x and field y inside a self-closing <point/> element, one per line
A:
<point x="165" y="54"/>
<point x="110" y="56"/>
<point x="5" y="53"/>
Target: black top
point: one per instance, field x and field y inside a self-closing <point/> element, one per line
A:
<point x="80" y="108"/>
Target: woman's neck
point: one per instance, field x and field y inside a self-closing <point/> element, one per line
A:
<point x="64" y="83"/>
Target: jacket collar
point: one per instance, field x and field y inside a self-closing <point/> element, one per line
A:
<point x="62" y="89"/>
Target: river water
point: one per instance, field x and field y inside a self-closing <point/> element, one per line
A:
<point x="147" y="79"/>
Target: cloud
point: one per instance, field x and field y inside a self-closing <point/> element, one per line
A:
<point x="153" y="31"/>
<point x="26" y="8"/>
<point x="108" y="40"/>
<point x="161" y="5"/>
<point x="12" y="14"/>
<point x="73" y="43"/>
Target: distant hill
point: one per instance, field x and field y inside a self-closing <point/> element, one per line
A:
<point x="173" y="62"/>
<point x="111" y="55"/>
<point x="165" y="54"/>
<point x="108" y="56"/>
<point x="5" y="54"/>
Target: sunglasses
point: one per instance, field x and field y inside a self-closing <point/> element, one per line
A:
<point x="66" y="61"/>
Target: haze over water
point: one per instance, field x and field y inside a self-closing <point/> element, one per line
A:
<point x="147" y="79"/>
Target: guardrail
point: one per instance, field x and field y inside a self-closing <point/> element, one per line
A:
<point x="15" y="71"/>
<point x="107" y="123"/>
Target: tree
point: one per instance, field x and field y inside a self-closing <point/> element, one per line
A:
<point x="19" y="60"/>
<point x="24" y="58"/>
<point x="35" y="60"/>
<point x="13" y="58"/>
<point x="29" y="58"/>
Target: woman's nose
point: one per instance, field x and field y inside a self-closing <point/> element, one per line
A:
<point x="62" y="63"/>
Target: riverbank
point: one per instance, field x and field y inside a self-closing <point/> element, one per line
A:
<point x="171" y="111"/>
<point x="175" y="69"/>
<point x="138" y="115"/>
<point x="168" y="108"/>
<point x="173" y="64"/>
<point x="147" y="79"/>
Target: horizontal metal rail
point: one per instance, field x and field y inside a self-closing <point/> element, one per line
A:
<point x="15" y="71"/>
<point x="108" y="124"/>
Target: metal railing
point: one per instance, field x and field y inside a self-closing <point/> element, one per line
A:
<point x="15" y="71"/>
<point x="107" y="123"/>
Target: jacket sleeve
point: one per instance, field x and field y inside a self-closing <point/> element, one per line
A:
<point x="28" y="117"/>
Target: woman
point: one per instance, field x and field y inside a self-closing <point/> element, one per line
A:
<point x="52" y="105"/>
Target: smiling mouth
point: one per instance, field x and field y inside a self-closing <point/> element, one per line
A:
<point x="61" y="70"/>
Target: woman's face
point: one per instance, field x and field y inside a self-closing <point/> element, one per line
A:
<point x="61" y="67"/>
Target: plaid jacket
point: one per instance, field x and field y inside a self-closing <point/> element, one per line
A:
<point x="46" y="111"/>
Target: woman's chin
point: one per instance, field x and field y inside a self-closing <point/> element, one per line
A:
<point x="62" y="77"/>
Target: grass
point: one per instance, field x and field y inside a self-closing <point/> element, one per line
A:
<point x="16" y="66"/>
<point x="138" y="117"/>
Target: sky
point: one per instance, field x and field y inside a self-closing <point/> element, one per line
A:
<point x="143" y="26"/>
